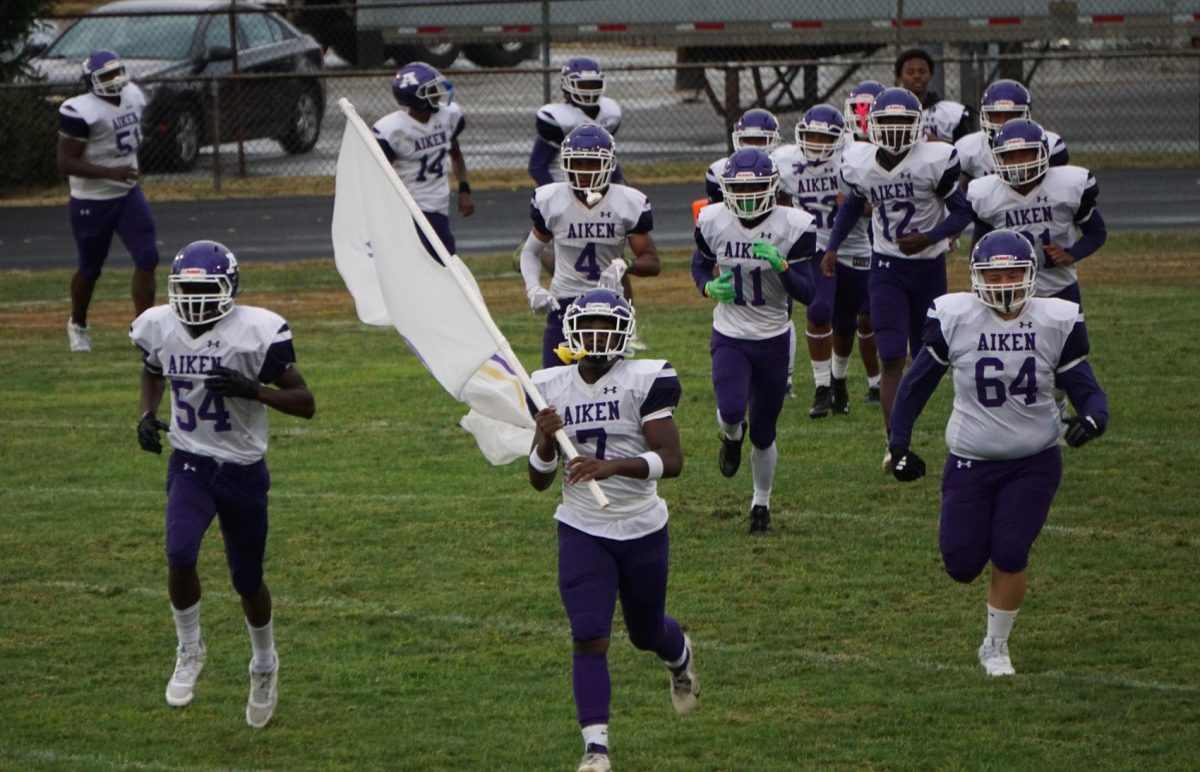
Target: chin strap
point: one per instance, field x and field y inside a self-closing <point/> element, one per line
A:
<point x="568" y="356"/>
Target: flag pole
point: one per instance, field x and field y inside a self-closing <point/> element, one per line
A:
<point x="564" y="442"/>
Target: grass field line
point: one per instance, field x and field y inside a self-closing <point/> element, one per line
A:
<point x="872" y="520"/>
<point x="821" y="658"/>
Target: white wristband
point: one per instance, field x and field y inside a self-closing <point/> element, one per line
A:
<point x="545" y="467"/>
<point x="655" y="464"/>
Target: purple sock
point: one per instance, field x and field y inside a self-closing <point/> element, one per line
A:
<point x="670" y="646"/>
<point x="592" y="687"/>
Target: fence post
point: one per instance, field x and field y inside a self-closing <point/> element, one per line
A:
<point x="546" y="51"/>
<point x="733" y="100"/>
<point x="215" y="88"/>
<point x="237" y="89"/>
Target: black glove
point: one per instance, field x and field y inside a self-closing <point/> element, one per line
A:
<point x="230" y="383"/>
<point x="1081" y="429"/>
<point x="906" y="465"/>
<point x="148" y="429"/>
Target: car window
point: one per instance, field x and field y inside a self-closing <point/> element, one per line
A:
<point x="282" y="31"/>
<point x="217" y="33"/>
<point x="132" y="37"/>
<point x="257" y="30"/>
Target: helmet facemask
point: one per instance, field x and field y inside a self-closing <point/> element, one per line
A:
<point x="198" y="297"/>
<point x="588" y="171"/>
<point x="1019" y="168"/>
<point x="598" y="330"/>
<point x="895" y="130"/>
<point x="1007" y="297"/>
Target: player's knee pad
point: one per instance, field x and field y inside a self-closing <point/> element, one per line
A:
<point x="961" y="569"/>
<point x="762" y="438"/>
<point x="820" y="312"/>
<point x="589" y="627"/>
<point x="1010" y="557"/>
<point x="247" y="580"/>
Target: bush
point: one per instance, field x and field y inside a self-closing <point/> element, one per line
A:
<point x="28" y="133"/>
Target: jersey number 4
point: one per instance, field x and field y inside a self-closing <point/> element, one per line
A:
<point x="431" y="166"/>
<point x="990" y="389"/>
<point x="212" y="408"/>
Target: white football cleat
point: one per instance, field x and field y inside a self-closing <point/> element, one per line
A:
<point x="685" y="686"/>
<point x="189" y="661"/>
<point x="594" y="762"/>
<point x="264" y="695"/>
<point x="887" y="462"/>
<point x="993" y="655"/>
<point x="80" y="337"/>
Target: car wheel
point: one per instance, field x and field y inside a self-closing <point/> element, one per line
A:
<point x="439" y="55"/>
<point x="178" y="147"/>
<point x="304" y="126"/>
<point x="499" y="54"/>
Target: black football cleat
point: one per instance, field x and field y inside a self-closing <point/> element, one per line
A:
<point x="729" y="457"/>
<point x="841" y="397"/>
<point x="760" y="520"/>
<point x="822" y="402"/>
<point x="873" y="397"/>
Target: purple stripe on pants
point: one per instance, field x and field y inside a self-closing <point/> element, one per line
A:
<point x="750" y="374"/>
<point x="994" y="510"/>
<point x="93" y="224"/>
<point x="850" y="300"/>
<point x="901" y="292"/>
<point x="199" y="488"/>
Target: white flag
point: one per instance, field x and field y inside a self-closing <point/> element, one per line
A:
<point x="394" y="280"/>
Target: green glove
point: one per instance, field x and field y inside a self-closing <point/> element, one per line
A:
<point x="721" y="289"/>
<point x="762" y="249"/>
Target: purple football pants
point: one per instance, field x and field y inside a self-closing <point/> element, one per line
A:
<point x="200" y="488"/>
<point x="901" y="292"/>
<point x="750" y="375"/>
<point x="592" y="573"/>
<point x="850" y="299"/>
<point x="93" y="222"/>
<point x="552" y="336"/>
<point x="994" y="510"/>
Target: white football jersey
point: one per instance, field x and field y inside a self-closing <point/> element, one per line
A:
<point x="567" y="116"/>
<point x="587" y="240"/>
<point x="114" y="135"/>
<point x="1004" y="374"/>
<point x="975" y="153"/>
<point x="1046" y="214"/>
<point x="604" y="419"/>
<point x="422" y="150"/>
<point x="760" y="308"/>
<point x="942" y="119"/>
<point x="254" y="341"/>
<point x="902" y="199"/>
<point x="812" y="187"/>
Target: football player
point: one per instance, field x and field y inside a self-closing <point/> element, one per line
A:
<point x="99" y="133"/>
<point x="418" y="139"/>
<point x="1052" y="206"/>
<point x="221" y="360"/>
<point x="582" y="83"/>
<point x="1007" y="350"/>
<point x="620" y="414"/>
<point x="855" y="254"/>
<point x="757" y="252"/>
<point x="1003" y="101"/>
<point x="909" y="184"/>
<point x="941" y="119"/>
<point x="589" y="218"/>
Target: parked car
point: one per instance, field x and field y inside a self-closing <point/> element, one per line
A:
<point x="173" y="58"/>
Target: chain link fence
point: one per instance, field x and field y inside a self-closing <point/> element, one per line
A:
<point x="254" y="92"/>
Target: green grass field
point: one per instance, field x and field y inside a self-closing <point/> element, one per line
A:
<point x="418" y="619"/>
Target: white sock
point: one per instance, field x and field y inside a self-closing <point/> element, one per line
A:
<point x="791" y="348"/>
<point x="840" y="366"/>
<point x="732" y="431"/>
<point x="999" y="623"/>
<point x="262" y="642"/>
<point x="187" y="624"/>
<point x="873" y="381"/>
<point x="595" y="734"/>
<point x="762" y="469"/>
<point x="821" y="371"/>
